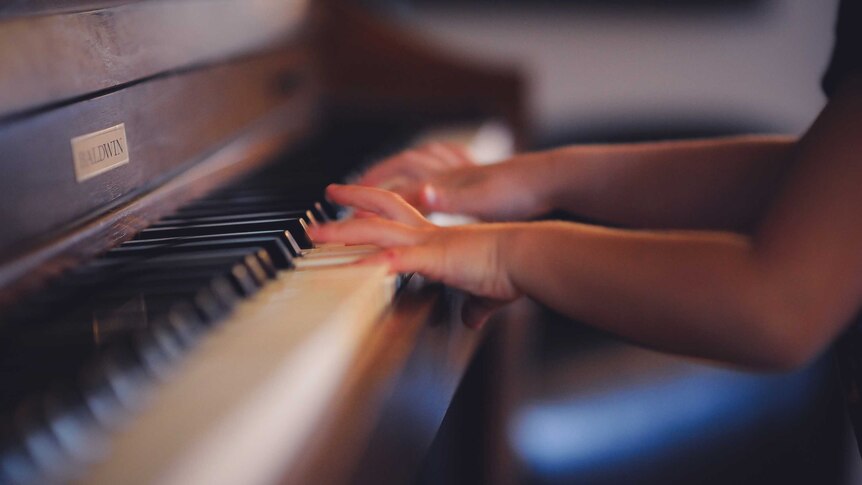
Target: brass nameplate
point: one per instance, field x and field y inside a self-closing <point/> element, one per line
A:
<point x="100" y="151"/>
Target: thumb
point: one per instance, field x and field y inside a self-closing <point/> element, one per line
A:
<point x="406" y="259"/>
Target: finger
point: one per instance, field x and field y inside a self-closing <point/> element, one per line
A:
<point x="454" y="155"/>
<point x="411" y="164"/>
<point x="477" y="310"/>
<point x="382" y="171"/>
<point x="376" y="231"/>
<point x="407" y="259"/>
<point x="434" y="197"/>
<point x="382" y="202"/>
<point x="464" y="196"/>
<point x="363" y="214"/>
<point x="409" y="191"/>
<point x="448" y="155"/>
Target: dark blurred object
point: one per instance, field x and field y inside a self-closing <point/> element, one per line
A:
<point x="602" y="412"/>
<point x="848" y="353"/>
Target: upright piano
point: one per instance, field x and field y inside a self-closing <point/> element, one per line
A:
<point x="164" y="317"/>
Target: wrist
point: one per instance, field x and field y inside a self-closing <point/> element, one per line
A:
<point x="512" y="245"/>
<point x="529" y="181"/>
<point x="557" y="176"/>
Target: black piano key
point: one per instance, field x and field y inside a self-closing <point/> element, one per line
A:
<point x="297" y="228"/>
<point x="277" y="251"/>
<point x="161" y="342"/>
<point x="16" y="464"/>
<point x="126" y="375"/>
<point x="183" y="219"/>
<point x="184" y="322"/>
<point x="155" y="304"/>
<point x="274" y="256"/>
<point x="254" y="259"/>
<point x="100" y="398"/>
<point x="283" y="237"/>
<point x="162" y="283"/>
<point x="39" y="441"/>
<point x="160" y="347"/>
<point x="323" y="212"/>
<point x="113" y="385"/>
<point x="75" y="427"/>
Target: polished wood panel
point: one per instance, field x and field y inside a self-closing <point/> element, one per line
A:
<point x="251" y="148"/>
<point x="391" y="405"/>
<point x="46" y="59"/>
<point x="169" y="123"/>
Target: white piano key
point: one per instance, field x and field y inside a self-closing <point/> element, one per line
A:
<point x="241" y="407"/>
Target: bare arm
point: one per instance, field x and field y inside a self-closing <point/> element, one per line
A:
<point x="720" y="183"/>
<point x="773" y="299"/>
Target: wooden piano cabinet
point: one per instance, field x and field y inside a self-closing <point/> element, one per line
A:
<point x="427" y="400"/>
<point x="394" y="399"/>
<point x="472" y="445"/>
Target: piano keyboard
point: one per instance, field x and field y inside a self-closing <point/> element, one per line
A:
<point x="101" y="358"/>
<point x="280" y="316"/>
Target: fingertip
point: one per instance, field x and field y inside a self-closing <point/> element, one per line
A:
<point x="363" y="214"/>
<point x="313" y="231"/>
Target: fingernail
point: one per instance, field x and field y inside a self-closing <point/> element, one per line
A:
<point x="430" y="196"/>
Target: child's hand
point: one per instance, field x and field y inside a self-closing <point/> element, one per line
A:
<point x="443" y="178"/>
<point x="465" y="257"/>
<point x="416" y="165"/>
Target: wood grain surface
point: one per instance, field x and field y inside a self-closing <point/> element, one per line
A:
<point x="46" y="59"/>
<point x="170" y="122"/>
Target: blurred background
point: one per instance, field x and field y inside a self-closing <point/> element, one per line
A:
<point x="588" y="408"/>
<point x="642" y="67"/>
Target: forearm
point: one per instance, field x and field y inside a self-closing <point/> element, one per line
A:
<point x="695" y="293"/>
<point x="773" y="298"/>
<point x="722" y="183"/>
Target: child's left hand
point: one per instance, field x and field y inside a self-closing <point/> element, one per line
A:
<point x="466" y="257"/>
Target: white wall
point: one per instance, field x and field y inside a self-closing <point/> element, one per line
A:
<point x="586" y="64"/>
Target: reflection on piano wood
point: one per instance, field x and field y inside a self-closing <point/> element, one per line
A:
<point x="169" y="320"/>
